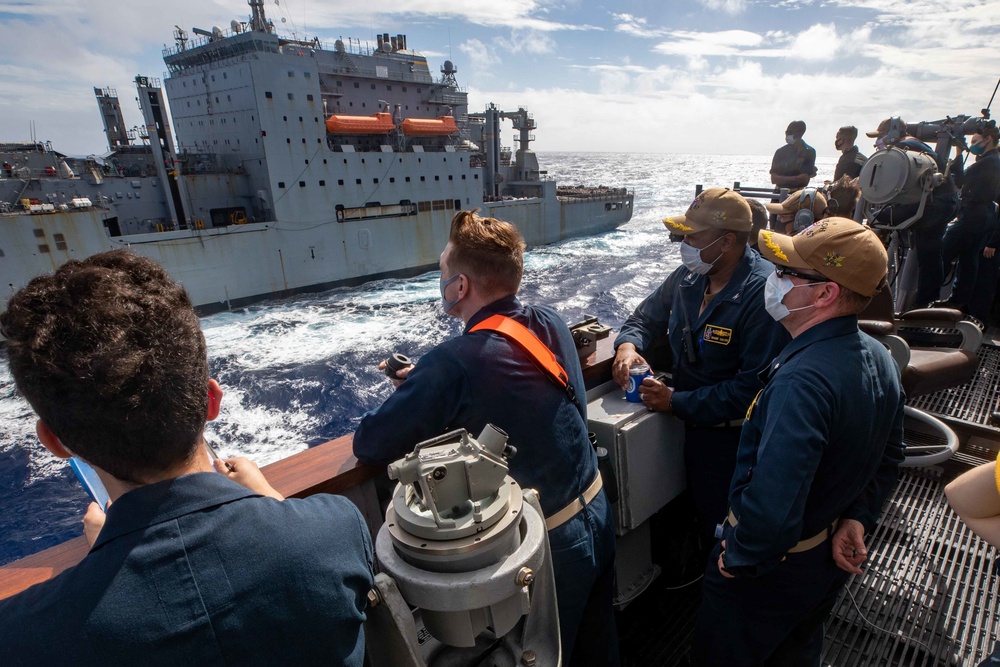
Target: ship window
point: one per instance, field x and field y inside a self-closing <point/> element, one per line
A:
<point x="60" y="242"/>
<point x="363" y="105"/>
<point x="290" y="96"/>
<point x="437" y="178"/>
<point x="185" y="83"/>
<point x="216" y="99"/>
<point x="189" y="104"/>
<point x="463" y="177"/>
<point x="476" y="176"/>
<point x="450" y="177"/>
<point x="42" y="247"/>
<point x="300" y="119"/>
<point x="307" y="161"/>
<point x="407" y="107"/>
<point x="340" y="181"/>
<point x="423" y="206"/>
<point x="407" y="179"/>
<point x="213" y="77"/>
<point x="1" y="252"/>
<point x="357" y="85"/>
<point x="198" y="102"/>
<point x="404" y="89"/>
<point x="40" y="233"/>
<point x="420" y="159"/>
<point x="302" y="184"/>
<point x="229" y="98"/>
<point x="422" y="179"/>
<point x="284" y="118"/>
<point x="340" y="83"/>
<point x="362" y="160"/>
<point x="324" y="160"/>
<point x="307" y="75"/>
<point x="309" y="97"/>
<point x="281" y="184"/>
<point x="316" y="118"/>
<point x="420" y="90"/>
<point x="449" y="204"/>
<point x="461" y="159"/>
<point x="373" y="86"/>
<point x="291" y="73"/>
<point x="303" y="140"/>
<point x="345" y="160"/>
<point x="322" y="183"/>
<point x="288" y="140"/>
<point x="388" y="87"/>
<point x="267" y="94"/>
<point x="375" y="181"/>
<point x="224" y="76"/>
<point x="392" y="179"/>
<point x="438" y="204"/>
<point x="358" y="181"/>
<point x="380" y="160"/>
<point x="351" y="103"/>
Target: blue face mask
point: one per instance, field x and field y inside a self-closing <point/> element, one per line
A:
<point x="691" y="257"/>
<point x="789" y="139"/>
<point x="775" y="290"/>
<point x="977" y="149"/>
<point x="448" y="305"/>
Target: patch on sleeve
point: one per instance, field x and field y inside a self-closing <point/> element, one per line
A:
<point x="719" y="335"/>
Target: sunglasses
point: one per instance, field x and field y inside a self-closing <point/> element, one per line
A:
<point x="782" y="271"/>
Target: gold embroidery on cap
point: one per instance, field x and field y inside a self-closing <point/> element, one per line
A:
<point x="833" y="259"/>
<point x="670" y="222"/>
<point x="772" y="246"/>
<point x="720" y="216"/>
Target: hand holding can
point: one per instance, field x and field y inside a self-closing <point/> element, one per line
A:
<point x="636" y="373"/>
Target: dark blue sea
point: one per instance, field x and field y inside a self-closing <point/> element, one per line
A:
<point x="301" y="371"/>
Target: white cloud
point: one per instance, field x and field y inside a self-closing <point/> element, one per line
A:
<point x="526" y="41"/>
<point x="817" y="42"/>
<point x="481" y="56"/>
<point x="727" y="6"/>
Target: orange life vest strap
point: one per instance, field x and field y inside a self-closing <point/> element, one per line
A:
<point x="526" y="339"/>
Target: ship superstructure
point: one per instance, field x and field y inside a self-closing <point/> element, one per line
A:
<point x="283" y="166"/>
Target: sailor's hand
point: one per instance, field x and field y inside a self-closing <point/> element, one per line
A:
<point x="93" y="521"/>
<point x="624" y="358"/>
<point x="655" y="395"/>
<point x="848" y="546"/>
<point x="988" y="252"/>
<point x="245" y="472"/>
<point x="401" y="374"/>
<point x="722" y="562"/>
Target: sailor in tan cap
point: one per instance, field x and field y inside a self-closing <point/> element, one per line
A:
<point x="817" y="456"/>
<point x="720" y="338"/>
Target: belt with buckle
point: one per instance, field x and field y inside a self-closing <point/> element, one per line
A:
<point x="802" y="545"/>
<point x="571" y="510"/>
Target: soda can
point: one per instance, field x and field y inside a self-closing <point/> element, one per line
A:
<point x="635" y="375"/>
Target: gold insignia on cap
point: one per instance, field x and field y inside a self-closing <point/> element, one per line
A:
<point x="833" y="259"/>
<point x="720" y="216"/>
<point x="673" y="224"/>
<point x="772" y="246"/>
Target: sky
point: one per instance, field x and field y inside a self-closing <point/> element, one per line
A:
<point x="665" y="76"/>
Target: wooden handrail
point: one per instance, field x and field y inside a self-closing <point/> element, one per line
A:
<point x="327" y="468"/>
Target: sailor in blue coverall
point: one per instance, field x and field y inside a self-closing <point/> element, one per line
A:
<point x="817" y="458"/>
<point x="731" y="339"/>
<point x="483" y="377"/>
<point x="977" y="219"/>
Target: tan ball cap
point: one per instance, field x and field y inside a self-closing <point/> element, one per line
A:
<point x="714" y="208"/>
<point x="795" y="202"/>
<point x="838" y="249"/>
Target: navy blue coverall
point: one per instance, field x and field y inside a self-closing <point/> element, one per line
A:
<point x="733" y="340"/>
<point x="483" y="377"/>
<point x="823" y="442"/>
<point x="976" y="224"/>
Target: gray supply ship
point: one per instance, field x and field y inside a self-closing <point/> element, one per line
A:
<point x="284" y="166"/>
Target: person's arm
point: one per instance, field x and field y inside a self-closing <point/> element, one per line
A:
<point x="809" y="163"/>
<point x="791" y="182"/>
<point x="975" y="498"/>
<point x="424" y="406"/>
<point x="868" y="505"/>
<point x="245" y="472"/>
<point x="645" y="326"/>
<point x="760" y="339"/>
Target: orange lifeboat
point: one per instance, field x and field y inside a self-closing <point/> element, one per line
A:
<point x="441" y="126"/>
<point x="380" y="123"/>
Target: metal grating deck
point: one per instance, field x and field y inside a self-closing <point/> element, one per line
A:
<point x="929" y="583"/>
<point x="928" y="578"/>
<point x="969" y="404"/>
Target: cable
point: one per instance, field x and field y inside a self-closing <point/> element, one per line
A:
<point x="898" y="633"/>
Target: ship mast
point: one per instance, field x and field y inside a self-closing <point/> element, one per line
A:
<point x="258" y="22"/>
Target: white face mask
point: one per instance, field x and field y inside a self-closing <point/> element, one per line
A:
<point x="789" y="139"/>
<point x="775" y="290"/>
<point x="691" y="257"/>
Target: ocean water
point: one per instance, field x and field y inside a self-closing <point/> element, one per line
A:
<point x="301" y="371"/>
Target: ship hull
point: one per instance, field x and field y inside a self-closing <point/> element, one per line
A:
<point x="235" y="265"/>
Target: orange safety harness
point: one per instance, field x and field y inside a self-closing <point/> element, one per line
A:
<point x="539" y="353"/>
